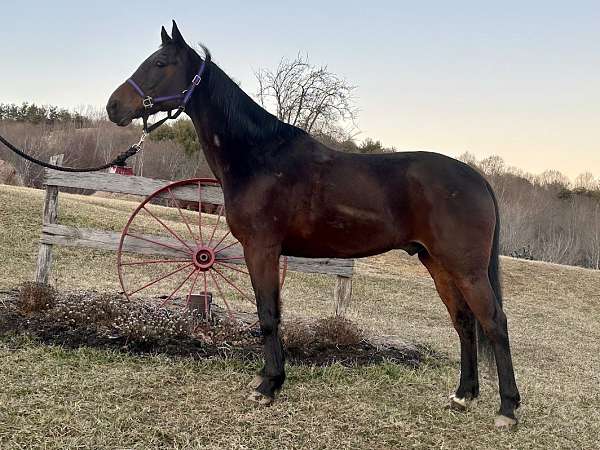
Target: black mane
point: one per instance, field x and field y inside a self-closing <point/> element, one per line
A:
<point x="244" y="118"/>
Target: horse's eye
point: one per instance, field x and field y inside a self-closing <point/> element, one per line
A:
<point x="160" y="64"/>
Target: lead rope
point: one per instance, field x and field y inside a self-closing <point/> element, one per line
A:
<point x="118" y="161"/>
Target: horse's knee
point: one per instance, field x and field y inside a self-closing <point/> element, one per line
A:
<point x="269" y="326"/>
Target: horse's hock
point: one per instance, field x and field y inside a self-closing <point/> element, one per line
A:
<point x="201" y="245"/>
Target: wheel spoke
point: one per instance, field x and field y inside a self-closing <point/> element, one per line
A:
<point x="216" y="225"/>
<point x="153" y="261"/>
<point x="230" y="283"/>
<point x="229" y="258"/>
<point x="142" y="238"/>
<point x="232" y="267"/>
<point x="187" y="224"/>
<point x="189" y="297"/>
<point x="178" y="287"/>
<point x="206" y="310"/>
<point x="179" y="269"/>
<point x="229" y="311"/>
<point x="171" y="232"/>
<point x="200" y="212"/>
<point x="222" y="239"/>
<point x="283" y="274"/>
<point x="225" y="248"/>
<point x="253" y="324"/>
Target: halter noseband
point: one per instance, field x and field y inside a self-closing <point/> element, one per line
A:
<point x="184" y="98"/>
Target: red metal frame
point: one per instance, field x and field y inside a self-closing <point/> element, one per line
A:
<point x="203" y="257"/>
<point x="121" y="170"/>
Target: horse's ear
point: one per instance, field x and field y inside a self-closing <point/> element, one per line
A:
<point x="177" y="37"/>
<point x="165" y="36"/>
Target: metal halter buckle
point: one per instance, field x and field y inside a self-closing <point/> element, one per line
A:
<point x="148" y="102"/>
<point x="196" y="80"/>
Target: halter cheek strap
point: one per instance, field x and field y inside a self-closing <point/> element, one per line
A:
<point x="183" y="97"/>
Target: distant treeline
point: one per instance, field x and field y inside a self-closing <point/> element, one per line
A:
<point x="46" y="114"/>
<point x="88" y="139"/>
<point x="545" y="217"/>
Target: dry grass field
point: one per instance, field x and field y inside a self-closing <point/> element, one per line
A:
<point x="51" y="397"/>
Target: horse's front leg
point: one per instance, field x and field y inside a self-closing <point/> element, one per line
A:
<point x="263" y="265"/>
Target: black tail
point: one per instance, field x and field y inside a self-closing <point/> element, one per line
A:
<point x="484" y="344"/>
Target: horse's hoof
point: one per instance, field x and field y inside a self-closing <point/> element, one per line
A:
<point x="504" y="422"/>
<point x="255" y="383"/>
<point x="261" y="399"/>
<point x="457" y="403"/>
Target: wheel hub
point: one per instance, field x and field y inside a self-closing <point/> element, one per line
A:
<point x="204" y="258"/>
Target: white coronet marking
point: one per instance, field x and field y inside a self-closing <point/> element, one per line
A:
<point x="459" y="401"/>
<point x="259" y="398"/>
<point x="255" y="383"/>
<point x="504" y="422"/>
<point x="216" y="140"/>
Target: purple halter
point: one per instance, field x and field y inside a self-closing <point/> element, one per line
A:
<point x="184" y="97"/>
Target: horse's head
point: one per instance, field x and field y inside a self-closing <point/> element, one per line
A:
<point x="160" y="83"/>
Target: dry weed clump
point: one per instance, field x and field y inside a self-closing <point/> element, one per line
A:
<point x="35" y="297"/>
<point x="138" y="321"/>
<point x="224" y="331"/>
<point x="77" y="310"/>
<point x="151" y="322"/>
<point x="327" y="333"/>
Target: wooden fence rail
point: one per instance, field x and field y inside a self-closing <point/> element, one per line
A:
<point x="55" y="234"/>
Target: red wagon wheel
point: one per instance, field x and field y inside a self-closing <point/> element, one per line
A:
<point x="177" y="245"/>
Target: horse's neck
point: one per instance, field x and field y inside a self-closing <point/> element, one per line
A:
<point x="219" y="149"/>
<point x="228" y="124"/>
<point x="214" y="160"/>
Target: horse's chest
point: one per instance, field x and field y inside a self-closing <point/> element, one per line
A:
<point x="257" y="212"/>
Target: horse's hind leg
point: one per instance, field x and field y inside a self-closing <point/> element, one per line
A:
<point x="464" y="324"/>
<point x="479" y="295"/>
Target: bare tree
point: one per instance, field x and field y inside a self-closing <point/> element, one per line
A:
<point x="553" y="179"/>
<point x="307" y="96"/>
<point x="593" y="245"/>
<point x="493" y="166"/>
<point x="586" y="181"/>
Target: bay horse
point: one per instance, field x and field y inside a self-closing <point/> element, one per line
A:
<point x="288" y="194"/>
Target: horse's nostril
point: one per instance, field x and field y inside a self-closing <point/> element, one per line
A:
<point x="112" y="105"/>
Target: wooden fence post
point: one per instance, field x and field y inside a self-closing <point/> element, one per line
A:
<point x="44" y="260"/>
<point x="342" y="294"/>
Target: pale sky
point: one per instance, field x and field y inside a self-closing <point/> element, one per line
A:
<point x="520" y="79"/>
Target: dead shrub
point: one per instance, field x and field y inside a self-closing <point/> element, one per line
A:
<point x="91" y="309"/>
<point x="136" y="321"/>
<point x="338" y="331"/>
<point x="35" y="297"/>
<point x="224" y="332"/>
<point x="327" y="333"/>
<point x="150" y="322"/>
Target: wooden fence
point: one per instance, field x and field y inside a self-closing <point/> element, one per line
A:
<point x="54" y="233"/>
